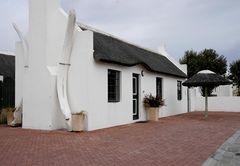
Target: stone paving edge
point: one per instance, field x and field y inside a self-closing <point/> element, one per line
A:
<point x="222" y="155"/>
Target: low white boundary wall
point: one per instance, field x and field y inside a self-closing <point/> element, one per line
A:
<point x="220" y="103"/>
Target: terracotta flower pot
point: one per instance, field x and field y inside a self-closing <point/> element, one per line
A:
<point x="153" y="113"/>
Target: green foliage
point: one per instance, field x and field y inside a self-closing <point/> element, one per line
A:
<point x="190" y="58"/>
<point x="207" y="59"/>
<point x="84" y="113"/>
<point x="235" y="73"/>
<point x="151" y="101"/>
<point x="209" y="90"/>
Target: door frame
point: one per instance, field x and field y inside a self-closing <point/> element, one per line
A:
<point x="135" y="96"/>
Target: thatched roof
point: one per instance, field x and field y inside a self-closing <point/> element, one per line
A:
<point x="206" y="77"/>
<point x="110" y="49"/>
<point x="7" y="64"/>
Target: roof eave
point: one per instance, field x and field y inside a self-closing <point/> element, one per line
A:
<point x="134" y="64"/>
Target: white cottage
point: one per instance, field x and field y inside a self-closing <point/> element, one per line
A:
<point x="107" y="76"/>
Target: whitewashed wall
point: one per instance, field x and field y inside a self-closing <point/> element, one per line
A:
<point x="88" y="89"/>
<point x="19" y="73"/>
<point x="223" y="103"/>
<point x="215" y="103"/>
<point x="87" y="79"/>
<point x="162" y="51"/>
<point x="37" y="83"/>
<point x="222" y="90"/>
<point x="192" y="99"/>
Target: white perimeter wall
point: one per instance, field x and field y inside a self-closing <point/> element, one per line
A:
<point x="218" y="103"/>
<point x="222" y="103"/>
<point x="222" y="90"/>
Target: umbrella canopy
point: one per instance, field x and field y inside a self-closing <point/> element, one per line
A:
<point x="206" y="77"/>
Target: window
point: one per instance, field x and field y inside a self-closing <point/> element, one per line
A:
<point x="179" y="90"/>
<point x="113" y="86"/>
<point x="159" y="86"/>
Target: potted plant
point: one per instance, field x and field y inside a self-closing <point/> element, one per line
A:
<point x="78" y="120"/>
<point x="7" y="115"/>
<point x="152" y="104"/>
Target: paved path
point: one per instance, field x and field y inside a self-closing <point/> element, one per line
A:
<point x="227" y="154"/>
<point x="187" y="139"/>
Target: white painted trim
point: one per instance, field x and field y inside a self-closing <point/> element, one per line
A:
<point x="4" y="52"/>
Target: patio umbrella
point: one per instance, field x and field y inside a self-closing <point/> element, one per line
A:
<point x="206" y="78"/>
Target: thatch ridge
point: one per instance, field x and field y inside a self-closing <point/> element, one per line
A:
<point x="202" y="79"/>
<point x="110" y="49"/>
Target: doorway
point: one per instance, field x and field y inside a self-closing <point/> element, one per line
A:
<point x="135" y="82"/>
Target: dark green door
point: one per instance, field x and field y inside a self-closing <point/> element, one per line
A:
<point x="135" y="97"/>
<point x="8" y="92"/>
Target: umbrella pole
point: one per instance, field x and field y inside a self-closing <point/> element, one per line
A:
<point x="188" y="100"/>
<point x="206" y="102"/>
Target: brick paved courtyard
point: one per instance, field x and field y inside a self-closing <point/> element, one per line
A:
<point x="187" y="139"/>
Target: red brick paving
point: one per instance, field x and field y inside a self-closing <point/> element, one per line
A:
<point x="187" y="139"/>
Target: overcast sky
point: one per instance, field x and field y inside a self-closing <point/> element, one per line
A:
<point x="179" y="24"/>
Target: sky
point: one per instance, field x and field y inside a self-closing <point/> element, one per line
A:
<point x="181" y="25"/>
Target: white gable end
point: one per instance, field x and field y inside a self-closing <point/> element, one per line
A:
<point x="87" y="81"/>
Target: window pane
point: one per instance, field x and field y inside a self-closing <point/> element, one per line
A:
<point x="134" y="85"/>
<point x="113" y="86"/>
<point x="179" y="90"/>
<point x="159" y="86"/>
<point x="134" y="106"/>
<point x="117" y="97"/>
